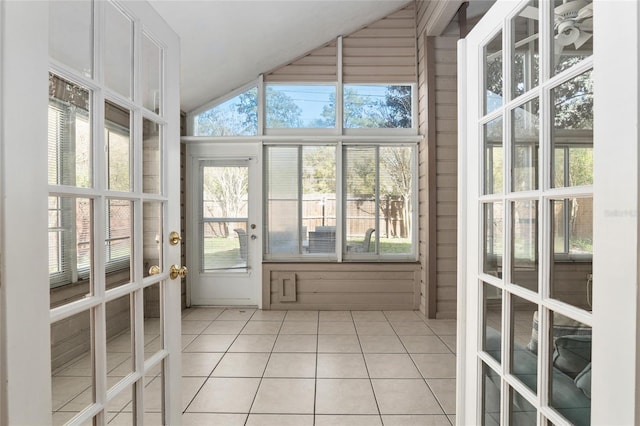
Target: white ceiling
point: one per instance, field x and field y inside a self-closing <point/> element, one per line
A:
<point x="228" y="43"/>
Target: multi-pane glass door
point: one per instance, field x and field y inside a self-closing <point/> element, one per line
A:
<point x="112" y="204"/>
<point x="533" y="282"/>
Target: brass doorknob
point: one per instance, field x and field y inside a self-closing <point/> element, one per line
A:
<point x="154" y="270"/>
<point x="174" y="238"/>
<point x="175" y="271"/>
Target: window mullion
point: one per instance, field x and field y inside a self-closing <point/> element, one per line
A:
<point x="300" y="198"/>
<point x="377" y="201"/>
<point x="340" y="211"/>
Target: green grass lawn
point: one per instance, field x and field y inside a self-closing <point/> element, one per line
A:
<point x="223" y="253"/>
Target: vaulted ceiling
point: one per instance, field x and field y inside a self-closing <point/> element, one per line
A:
<point x="227" y="43"/>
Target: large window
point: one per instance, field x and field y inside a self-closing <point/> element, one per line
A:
<point x="237" y="116"/>
<point x="377" y="106"/>
<point x="300" y="106"/>
<point x="308" y="218"/>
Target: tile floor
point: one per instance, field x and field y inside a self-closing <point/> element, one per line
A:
<point x="251" y="367"/>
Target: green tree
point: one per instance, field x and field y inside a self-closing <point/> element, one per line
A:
<point x="225" y="191"/>
<point x="398" y="111"/>
<point x="319" y="170"/>
<point x="396" y="180"/>
<point x="282" y="111"/>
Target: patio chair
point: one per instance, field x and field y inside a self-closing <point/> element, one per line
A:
<point x="363" y="247"/>
<point x="242" y="239"/>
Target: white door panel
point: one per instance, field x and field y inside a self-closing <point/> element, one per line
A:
<point x="224" y="232"/>
<point x="93" y="205"/>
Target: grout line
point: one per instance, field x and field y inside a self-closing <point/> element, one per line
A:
<point x="265" y="366"/>
<point x="366" y="366"/>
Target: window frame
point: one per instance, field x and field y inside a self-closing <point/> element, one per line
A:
<point x="338" y="131"/>
<point x="341" y="254"/>
<point x="413" y="130"/>
<point x="278" y="131"/>
<point x="193" y="114"/>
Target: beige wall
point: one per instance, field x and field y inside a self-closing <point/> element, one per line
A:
<point x="382" y="52"/>
<point x="341" y="286"/>
<point x="437" y="71"/>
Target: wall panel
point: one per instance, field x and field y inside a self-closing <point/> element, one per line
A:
<point x="345" y="286"/>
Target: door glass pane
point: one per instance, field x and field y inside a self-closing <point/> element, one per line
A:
<point x="524" y="349"/>
<point x="71" y="34"/>
<point x="154" y="396"/>
<point x="225" y="216"/>
<point x="69" y="133"/>
<point x="117" y="135"/>
<point x="493" y="80"/>
<point x="572" y="142"/>
<point x="493" y="157"/>
<point x="493" y="230"/>
<point x="572" y="234"/>
<point x="492" y="315"/>
<point x="282" y="200"/>
<point x="152" y="236"/>
<point x="526" y="49"/>
<point x="491" y="391"/>
<point x="524" y="244"/>
<point x="120" y="408"/>
<point x="153" y="341"/>
<point x="151" y="75"/>
<point x="119" y="243"/>
<point x="72" y="365"/>
<point x="152" y="157"/>
<point x="118" y="57"/>
<point x="570" y="364"/>
<point x="572" y="33"/>
<point x="522" y="413"/>
<point x="70" y="248"/>
<point x="526" y="141"/>
<point x="119" y="339"/>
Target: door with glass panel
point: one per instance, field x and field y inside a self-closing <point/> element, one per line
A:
<point x="114" y="263"/>
<point x="225" y="247"/>
<point x="528" y="234"/>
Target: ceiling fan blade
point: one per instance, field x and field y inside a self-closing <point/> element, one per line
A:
<point x="557" y="50"/>
<point x="585" y="13"/>
<point x="582" y="39"/>
<point x="529" y="12"/>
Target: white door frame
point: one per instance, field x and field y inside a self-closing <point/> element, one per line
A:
<point x="25" y="316"/>
<point x="206" y="149"/>
<point x="25" y="304"/>
<point x="616" y="364"/>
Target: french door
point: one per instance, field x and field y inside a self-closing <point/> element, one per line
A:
<point x="101" y="334"/>
<point x="539" y="198"/>
<point x="224" y="230"/>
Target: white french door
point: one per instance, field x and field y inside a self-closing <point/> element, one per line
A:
<point x="101" y="332"/>
<point x="225" y="227"/>
<point x="539" y="204"/>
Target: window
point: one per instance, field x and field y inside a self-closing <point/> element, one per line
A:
<point x="304" y="209"/>
<point x="70" y="164"/>
<point x="377" y="106"/>
<point x="301" y="200"/>
<point x="237" y="116"/>
<point x="300" y="106"/>
<point x="379" y="197"/>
